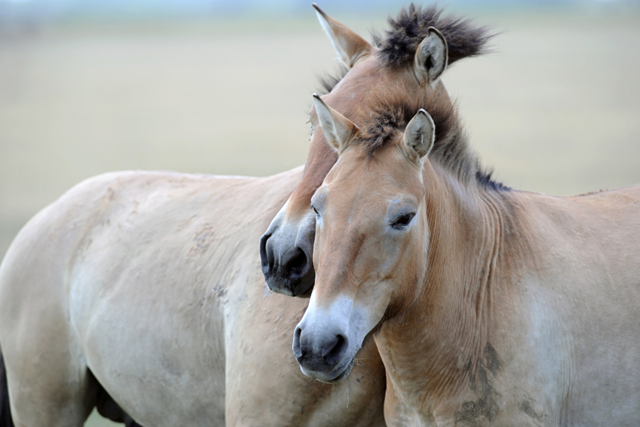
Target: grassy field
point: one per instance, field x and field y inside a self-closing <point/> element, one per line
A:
<point x="555" y="108"/>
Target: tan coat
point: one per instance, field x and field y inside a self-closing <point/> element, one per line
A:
<point x="151" y="283"/>
<point x="489" y="306"/>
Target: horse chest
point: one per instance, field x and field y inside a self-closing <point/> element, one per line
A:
<point x="506" y="389"/>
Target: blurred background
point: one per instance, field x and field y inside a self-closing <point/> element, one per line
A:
<point x="224" y="87"/>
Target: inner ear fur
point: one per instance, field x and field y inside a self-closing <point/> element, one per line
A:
<point x="419" y="136"/>
<point x="349" y="46"/>
<point x="338" y="130"/>
<point x="432" y="57"/>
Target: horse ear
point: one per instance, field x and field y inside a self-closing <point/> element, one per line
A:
<point x="419" y="135"/>
<point x="337" y="128"/>
<point x="431" y="57"/>
<point x="348" y="45"/>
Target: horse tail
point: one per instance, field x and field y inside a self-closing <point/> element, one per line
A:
<point x="5" y="407"/>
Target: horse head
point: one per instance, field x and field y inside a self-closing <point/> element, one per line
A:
<point x="372" y="235"/>
<point x="409" y="64"/>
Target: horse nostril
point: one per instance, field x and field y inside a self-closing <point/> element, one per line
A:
<point x="298" y="264"/>
<point x="286" y="267"/>
<point x="297" y="349"/>
<point x="266" y="254"/>
<point x="335" y="352"/>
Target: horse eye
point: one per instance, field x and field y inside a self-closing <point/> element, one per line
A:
<point x="403" y="221"/>
<point x="313" y="208"/>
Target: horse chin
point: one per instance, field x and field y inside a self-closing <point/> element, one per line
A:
<point x="338" y="378"/>
<point x="300" y="288"/>
<point x="342" y="376"/>
<point x="306" y="294"/>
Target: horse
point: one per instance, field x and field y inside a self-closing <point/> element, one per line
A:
<point x="402" y="58"/>
<point x="489" y="306"/>
<point x="141" y="284"/>
<point x="136" y="293"/>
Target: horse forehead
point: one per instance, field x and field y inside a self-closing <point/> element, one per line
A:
<point x="371" y="184"/>
<point x="386" y="170"/>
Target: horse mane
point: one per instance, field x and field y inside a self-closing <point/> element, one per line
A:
<point x="329" y="81"/>
<point x="390" y="109"/>
<point x="400" y="43"/>
<point x="388" y="112"/>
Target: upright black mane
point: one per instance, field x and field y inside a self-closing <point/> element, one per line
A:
<point x="329" y="81"/>
<point x="390" y="107"/>
<point x="400" y="43"/>
<point x="390" y="110"/>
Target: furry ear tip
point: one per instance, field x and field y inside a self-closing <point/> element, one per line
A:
<point x="319" y="103"/>
<point x="317" y="8"/>
<point x="317" y="100"/>
<point x="425" y="115"/>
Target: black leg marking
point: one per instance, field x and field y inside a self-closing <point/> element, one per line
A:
<point x="5" y="407"/>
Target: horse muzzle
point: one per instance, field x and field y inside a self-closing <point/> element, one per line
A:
<point x="286" y="258"/>
<point x="324" y="356"/>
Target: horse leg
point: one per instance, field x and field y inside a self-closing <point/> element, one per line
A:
<point x="108" y="408"/>
<point x="5" y="407"/>
<point x="47" y="377"/>
<point x="54" y="396"/>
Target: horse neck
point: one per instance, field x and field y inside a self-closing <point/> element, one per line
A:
<point x="440" y="343"/>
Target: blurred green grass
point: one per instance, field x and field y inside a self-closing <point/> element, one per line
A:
<point x="95" y="420"/>
<point x="555" y="108"/>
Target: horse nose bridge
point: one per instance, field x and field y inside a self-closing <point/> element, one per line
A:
<point x="343" y="243"/>
<point x="334" y="276"/>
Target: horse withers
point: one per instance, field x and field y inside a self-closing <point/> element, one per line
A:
<point x="489" y="306"/>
